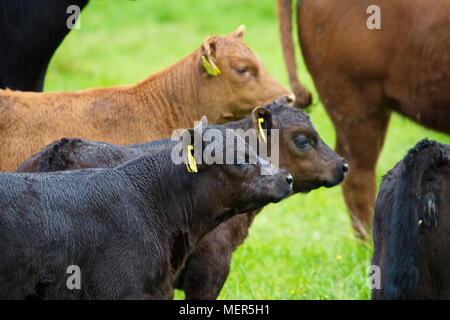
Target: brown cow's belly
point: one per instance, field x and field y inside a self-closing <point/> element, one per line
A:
<point x="434" y="118"/>
<point x="424" y="98"/>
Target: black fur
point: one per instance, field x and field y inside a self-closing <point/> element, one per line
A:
<point x="406" y="206"/>
<point x="129" y="229"/>
<point x="30" y="32"/>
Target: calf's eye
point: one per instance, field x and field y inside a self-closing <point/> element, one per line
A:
<point x="242" y="70"/>
<point x="245" y="168"/>
<point x="302" y="142"/>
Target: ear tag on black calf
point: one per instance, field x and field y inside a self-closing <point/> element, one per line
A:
<point x="191" y="164"/>
<point x="261" y="131"/>
<point x="210" y="67"/>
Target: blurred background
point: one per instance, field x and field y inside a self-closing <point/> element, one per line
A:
<point x="302" y="248"/>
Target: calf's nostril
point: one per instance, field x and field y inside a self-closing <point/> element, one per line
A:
<point x="345" y="167"/>
<point x="290" y="99"/>
<point x="289" y="179"/>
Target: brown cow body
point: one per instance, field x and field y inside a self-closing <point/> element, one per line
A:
<point x="152" y="109"/>
<point x="363" y="75"/>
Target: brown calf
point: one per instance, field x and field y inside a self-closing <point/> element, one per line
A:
<point x="363" y="75"/>
<point x="151" y="109"/>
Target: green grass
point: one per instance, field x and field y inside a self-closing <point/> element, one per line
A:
<point x="302" y="248"/>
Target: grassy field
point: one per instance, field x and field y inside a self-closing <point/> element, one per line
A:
<point x="302" y="248"/>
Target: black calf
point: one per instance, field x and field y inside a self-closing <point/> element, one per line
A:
<point x="128" y="229"/>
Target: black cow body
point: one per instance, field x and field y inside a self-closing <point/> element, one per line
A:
<point x="128" y="229"/>
<point x="30" y="32"/>
<point x="411" y="231"/>
<point x="72" y="154"/>
<point x="40" y="239"/>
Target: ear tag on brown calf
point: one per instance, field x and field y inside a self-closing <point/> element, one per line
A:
<point x="210" y="67"/>
<point x="191" y="164"/>
<point x="261" y="131"/>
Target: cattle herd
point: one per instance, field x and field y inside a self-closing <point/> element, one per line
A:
<point x="95" y="185"/>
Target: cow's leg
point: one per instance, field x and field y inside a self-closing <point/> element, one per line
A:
<point x="359" y="141"/>
<point x="207" y="268"/>
<point x="205" y="273"/>
<point x="360" y="114"/>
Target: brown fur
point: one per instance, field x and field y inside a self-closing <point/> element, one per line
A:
<point x="303" y="97"/>
<point x="363" y="75"/>
<point x="151" y="109"/>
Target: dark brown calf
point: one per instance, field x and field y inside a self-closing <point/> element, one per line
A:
<point x="363" y="75"/>
<point x="312" y="163"/>
<point x="411" y="227"/>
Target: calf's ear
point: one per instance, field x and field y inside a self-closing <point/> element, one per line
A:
<point x="262" y="120"/>
<point x="193" y="148"/>
<point x="202" y="124"/>
<point x="209" y="57"/>
<point x="239" y="32"/>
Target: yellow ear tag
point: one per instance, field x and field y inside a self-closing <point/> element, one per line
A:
<point x="210" y="67"/>
<point x="191" y="165"/>
<point x="261" y="131"/>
